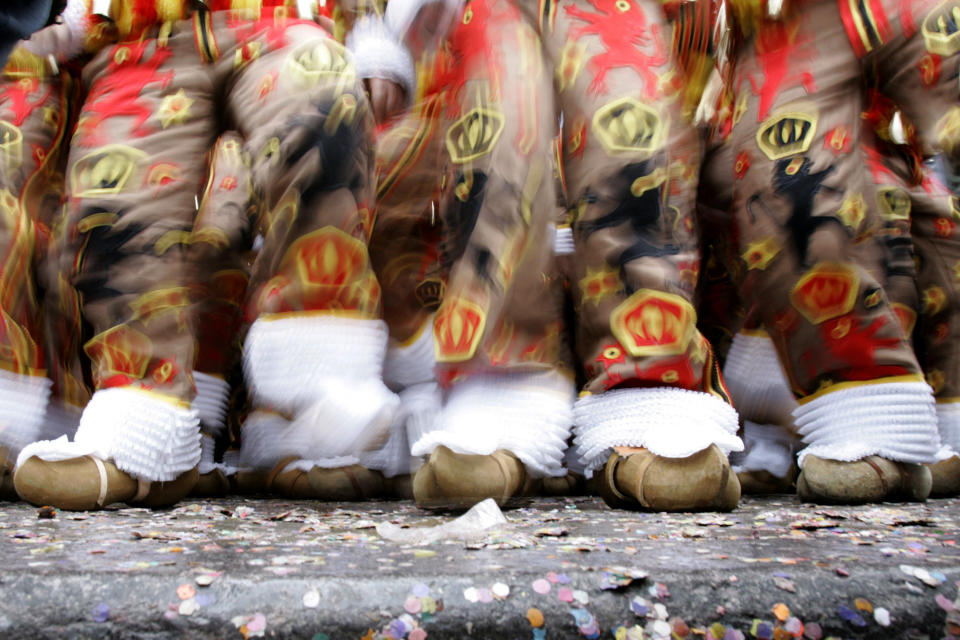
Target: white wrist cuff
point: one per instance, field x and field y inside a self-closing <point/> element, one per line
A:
<point x="378" y="53"/>
<point x="145" y="434"/>
<point x="894" y="420"/>
<point x="23" y="403"/>
<point x="756" y="381"/>
<point x="213" y="396"/>
<point x="413" y="363"/>
<point x="670" y="422"/>
<point x="528" y="414"/>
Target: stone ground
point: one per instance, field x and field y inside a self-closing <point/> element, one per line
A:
<point x="558" y="568"/>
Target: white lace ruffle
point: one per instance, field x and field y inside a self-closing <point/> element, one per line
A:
<point x="894" y="420"/>
<point x="289" y="362"/>
<point x="145" y="434"/>
<point x="528" y="414"/>
<point x="213" y="396"/>
<point x="670" y="422"/>
<point x="23" y="403"/>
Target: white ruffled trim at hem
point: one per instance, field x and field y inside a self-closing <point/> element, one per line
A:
<point x="144" y="434"/>
<point x="893" y="420"/>
<point x="528" y="414"/>
<point x="670" y="422"/>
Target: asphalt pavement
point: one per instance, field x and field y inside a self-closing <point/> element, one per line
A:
<point x="552" y="568"/>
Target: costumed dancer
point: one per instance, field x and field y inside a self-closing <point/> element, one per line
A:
<point x="818" y="265"/>
<point x="157" y="100"/>
<point x="465" y="238"/>
<point x="39" y="329"/>
<point x="654" y="424"/>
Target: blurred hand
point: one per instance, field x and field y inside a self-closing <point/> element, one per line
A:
<point x="387" y="98"/>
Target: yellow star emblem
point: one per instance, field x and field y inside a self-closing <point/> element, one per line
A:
<point x="853" y="211"/>
<point x="174" y="109"/>
<point x="599" y="284"/>
<point x="759" y="253"/>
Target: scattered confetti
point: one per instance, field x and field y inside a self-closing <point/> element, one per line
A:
<point x="500" y="591"/>
<point x="412" y="605"/>
<point x="311" y="599"/>
<point x="535" y="617"/>
<point x="851" y="616"/>
<point x="862" y="604"/>
<point x="186" y="591"/>
<point x="785" y="584"/>
<point x="781" y="611"/>
<point x="882" y="616"/>
<point x="101" y="613"/>
<point x="541" y="586"/>
<point x="188" y="607"/>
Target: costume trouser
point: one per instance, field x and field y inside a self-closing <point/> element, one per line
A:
<point x="155" y="106"/>
<point x="219" y="258"/>
<point x="929" y="313"/>
<point x="812" y="235"/>
<point x="630" y="163"/>
<point x="34" y="118"/>
<point x="405" y="253"/>
<point x="475" y="158"/>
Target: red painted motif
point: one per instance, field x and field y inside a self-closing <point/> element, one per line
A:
<point x="777" y="48"/>
<point x="118" y="92"/>
<point x="625" y="35"/>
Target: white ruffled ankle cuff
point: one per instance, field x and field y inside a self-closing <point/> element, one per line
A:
<point x="948" y="423"/>
<point x="289" y="361"/>
<point x="413" y="363"/>
<point x="767" y="447"/>
<point x="213" y="397"/>
<point x="894" y="420"/>
<point x="144" y="434"/>
<point x="670" y="422"/>
<point x="23" y="403"/>
<point x="528" y="414"/>
<point x="756" y="381"/>
<point x="378" y="53"/>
